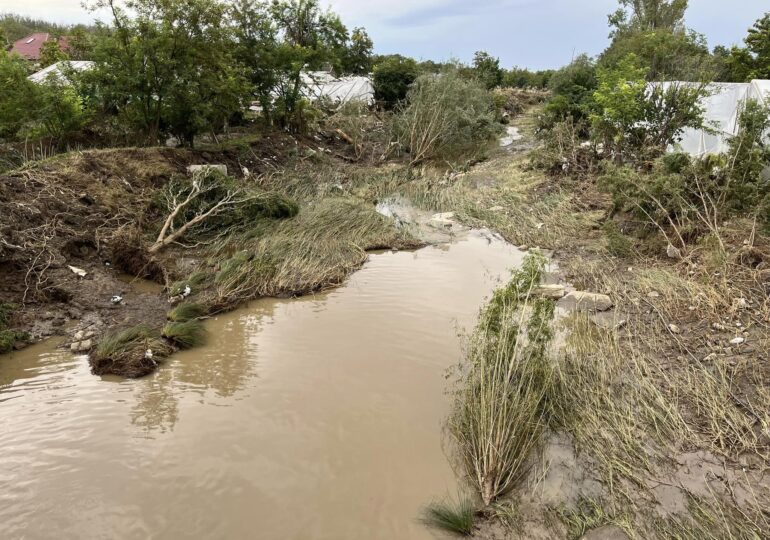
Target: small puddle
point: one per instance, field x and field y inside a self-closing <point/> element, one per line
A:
<point x="512" y="135"/>
<point x="313" y="418"/>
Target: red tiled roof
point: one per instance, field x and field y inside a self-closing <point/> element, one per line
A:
<point x="29" y="47"/>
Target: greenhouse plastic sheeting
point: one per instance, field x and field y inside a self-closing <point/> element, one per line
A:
<point x="59" y="69"/>
<point x="722" y="106"/>
<point x="322" y="85"/>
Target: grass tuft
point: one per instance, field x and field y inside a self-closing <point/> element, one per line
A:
<point x="124" y="353"/>
<point x="450" y="516"/>
<point x="186" y="312"/>
<point x="186" y="334"/>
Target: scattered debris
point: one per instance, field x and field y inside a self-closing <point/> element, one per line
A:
<point x="192" y="169"/>
<point x="674" y="329"/>
<point x="78" y="271"/>
<point x="116" y="299"/>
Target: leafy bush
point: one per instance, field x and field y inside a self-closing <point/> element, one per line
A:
<point x="564" y="150"/>
<point x="446" y="117"/>
<point x="572" y="87"/>
<point x="636" y="122"/>
<point x="60" y="111"/>
<point x="392" y="79"/>
<point x="692" y="196"/>
<point x="17" y="95"/>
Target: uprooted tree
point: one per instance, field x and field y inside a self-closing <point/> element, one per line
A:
<point x="197" y="202"/>
<point x="210" y="204"/>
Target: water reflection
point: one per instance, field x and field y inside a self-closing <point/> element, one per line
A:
<point x="314" y="418"/>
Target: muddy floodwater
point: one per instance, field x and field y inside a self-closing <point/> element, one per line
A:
<point x="310" y="418"/>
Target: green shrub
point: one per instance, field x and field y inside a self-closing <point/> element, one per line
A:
<point x="446" y="117"/>
<point x="691" y="194"/>
<point x="185" y="335"/>
<point x="618" y="244"/>
<point x="572" y="88"/>
<point x="392" y="78"/>
<point x="452" y="517"/>
<point x="637" y="123"/>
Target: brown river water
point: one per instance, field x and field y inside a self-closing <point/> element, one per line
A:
<point x="311" y="418"/>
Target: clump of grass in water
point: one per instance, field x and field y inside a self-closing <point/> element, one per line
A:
<point x="186" y="334"/>
<point x="186" y="312"/>
<point x="450" y="516"/>
<point x="502" y="407"/>
<point x="125" y="353"/>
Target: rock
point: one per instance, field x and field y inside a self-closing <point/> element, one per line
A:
<point x="550" y="291"/>
<point x="80" y="336"/>
<point x="589" y="301"/>
<point x="443" y="220"/>
<point x="192" y="169"/>
<point x="738" y="341"/>
<point x="524" y="247"/>
<point x="607" y="532"/>
<point x="79" y="271"/>
<point x="674" y="329"/>
<point x="673" y="252"/>
<point x="81" y="346"/>
<point x="19" y="345"/>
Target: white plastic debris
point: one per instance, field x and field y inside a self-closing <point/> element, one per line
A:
<point x="79" y="271"/>
<point x="116" y="299"/>
<point x="148" y="354"/>
<point x="187" y="291"/>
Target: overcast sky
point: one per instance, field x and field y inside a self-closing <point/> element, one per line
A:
<point x="531" y="33"/>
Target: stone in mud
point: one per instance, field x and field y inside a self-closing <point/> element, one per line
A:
<point x="554" y="291"/>
<point x="192" y="169"/>
<point x="588" y="301"/>
<point x="81" y="346"/>
<point x="608" y="532"/>
<point x="673" y="252"/>
<point x="443" y="220"/>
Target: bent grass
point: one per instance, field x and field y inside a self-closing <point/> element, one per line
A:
<point x="502" y="407"/>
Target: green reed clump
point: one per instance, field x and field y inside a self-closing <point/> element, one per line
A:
<point x="185" y="335"/>
<point x="454" y="517"/>
<point x="502" y="407"/>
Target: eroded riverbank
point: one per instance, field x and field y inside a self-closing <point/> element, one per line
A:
<point x="317" y="417"/>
